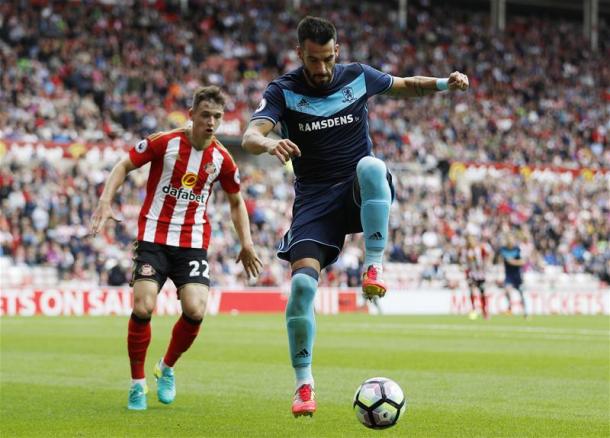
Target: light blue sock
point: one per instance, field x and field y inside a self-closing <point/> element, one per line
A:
<point x="375" y="207"/>
<point x="303" y="375"/>
<point x="301" y="324"/>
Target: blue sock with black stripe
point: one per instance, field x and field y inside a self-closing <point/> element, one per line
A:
<point x="301" y="323"/>
<point x="375" y="207"/>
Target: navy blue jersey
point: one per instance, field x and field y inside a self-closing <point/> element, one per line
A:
<point x="329" y="125"/>
<point x="511" y="253"/>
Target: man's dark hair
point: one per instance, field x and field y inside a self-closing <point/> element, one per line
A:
<point x="317" y="30"/>
<point x="209" y="94"/>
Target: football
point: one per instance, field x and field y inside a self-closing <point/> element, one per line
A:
<point x="379" y="403"/>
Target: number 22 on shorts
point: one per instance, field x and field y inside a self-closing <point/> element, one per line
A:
<point x="198" y="269"/>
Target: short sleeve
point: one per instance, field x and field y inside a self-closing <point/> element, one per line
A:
<point x="376" y="81"/>
<point x="144" y="151"/>
<point x="229" y="174"/>
<point x="272" y="105"/>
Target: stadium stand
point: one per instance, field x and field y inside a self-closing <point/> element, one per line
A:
<point x="107" y="75"/>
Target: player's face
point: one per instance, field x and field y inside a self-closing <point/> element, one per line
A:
<point x="318" y="61"/>
<point x="206" y="119"/>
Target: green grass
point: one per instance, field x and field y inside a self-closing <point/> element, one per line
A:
<point x="548" y="377"/>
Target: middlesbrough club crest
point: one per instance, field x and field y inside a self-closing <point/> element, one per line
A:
<point x="210" y="168"/>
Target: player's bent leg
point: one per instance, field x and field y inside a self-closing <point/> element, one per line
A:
<point x="300" y="324"/>
<point x="193" y="298"/>
<point x="374" y="214"/>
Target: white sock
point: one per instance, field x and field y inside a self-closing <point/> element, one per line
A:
<point x="163" y="365"/>
<point x="140" y="381"/>
<point x="305" y="382"/>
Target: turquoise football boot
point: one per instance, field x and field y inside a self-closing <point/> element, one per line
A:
<point x="137" y="397"/>
<point x="166" y="384"/>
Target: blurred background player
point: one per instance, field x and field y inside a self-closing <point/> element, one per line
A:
<point x="340" y="187"/>
<point x="476" y="257"/>
<point x="174" y="233"/>
<point x="513" y="262"/>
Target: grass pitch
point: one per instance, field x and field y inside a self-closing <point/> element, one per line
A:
<point x="507" y="377"/>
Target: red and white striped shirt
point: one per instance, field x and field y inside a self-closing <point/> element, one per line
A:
<point x="179" y="186"/>
<point x="476" y="260"/>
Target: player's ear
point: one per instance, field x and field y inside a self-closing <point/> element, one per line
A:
<point x="299" y="52"/>
<point x="336" y="50"/>
<point x="191" y="113"/>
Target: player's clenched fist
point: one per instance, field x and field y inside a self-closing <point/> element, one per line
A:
<point x="284" y="150"/>
<point x="458" y="81"/>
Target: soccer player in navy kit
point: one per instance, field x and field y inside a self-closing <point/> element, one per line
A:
<point x="340" y="187"/>
<point x="513" y="262"/>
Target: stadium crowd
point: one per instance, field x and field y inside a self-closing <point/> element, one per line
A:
<point x="113" y="74"/>
<point x="559" y="220"/>
<point x="104" y="73"/>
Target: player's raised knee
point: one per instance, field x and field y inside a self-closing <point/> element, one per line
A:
<point x="371" y="170"/>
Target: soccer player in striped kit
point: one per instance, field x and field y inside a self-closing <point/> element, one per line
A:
<point x="476" y="257"/>
<point x="174" y="232"/>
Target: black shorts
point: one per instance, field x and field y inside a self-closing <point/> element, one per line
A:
<point x="153" y="261"/>
<point x="479" y="284"/>
<point x="322" y="215"/>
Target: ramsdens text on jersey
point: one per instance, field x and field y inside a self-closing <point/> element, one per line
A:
<point x="326" y="123"/>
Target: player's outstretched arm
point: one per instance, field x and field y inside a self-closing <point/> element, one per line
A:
<point x="103" y="211"/>
<point x="256" y="142"/>
<point x="418" y="86"/>
<point x="239" y="215"/>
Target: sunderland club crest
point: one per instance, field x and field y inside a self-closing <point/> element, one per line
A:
<point x="210" y="168"/>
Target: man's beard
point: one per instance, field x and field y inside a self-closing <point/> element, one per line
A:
<point x="319" y="81"/>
